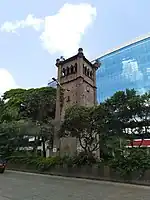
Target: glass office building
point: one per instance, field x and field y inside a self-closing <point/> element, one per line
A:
<point x="125" y="67"/>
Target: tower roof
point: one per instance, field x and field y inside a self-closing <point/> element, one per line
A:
<point x="79" y="54"/>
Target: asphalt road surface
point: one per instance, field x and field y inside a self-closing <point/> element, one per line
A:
<point x="24" y="186"/>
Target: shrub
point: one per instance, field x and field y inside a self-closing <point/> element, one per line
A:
<point x="135" y="160"/>
<point x="84" y="159"/>
<point x="44" y="164"/>
<point x="79" y="160"/>
<point x="40" y="163"/>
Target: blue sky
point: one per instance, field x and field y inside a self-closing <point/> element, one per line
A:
<point x="34" y="33"/>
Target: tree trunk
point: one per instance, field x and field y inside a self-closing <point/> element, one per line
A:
<point x="44" y="148"/>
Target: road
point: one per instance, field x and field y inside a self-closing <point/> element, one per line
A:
<point x="25" y="186"/>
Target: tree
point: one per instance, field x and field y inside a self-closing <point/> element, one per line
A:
<point x="103" y="120"/>
<point x="8" y="138"/>
<point x="1" y="109"/>
<point x="32" y="112"/>
<point x="7" y="131"/>
<point x="37" y="104"/>
<point x="12" y="100"/>
<point x="130" y="114"/>
<point x="46" y="134"/>
<point x="78" y="123"/>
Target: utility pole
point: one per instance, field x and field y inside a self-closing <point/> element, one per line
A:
<point x="59" y="93"/>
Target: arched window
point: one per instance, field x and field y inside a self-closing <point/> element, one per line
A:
<point x="88" y="72"/>
<point x="85" y="70"/>
<point x="91" y="74"/>
<point x="75" y="68"/>
<point x="67" y="71"/>
<point x="63" y="72"/>
<point x="72" y="69"/>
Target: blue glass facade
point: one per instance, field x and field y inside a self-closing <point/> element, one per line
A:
<point x="127" y="67"/>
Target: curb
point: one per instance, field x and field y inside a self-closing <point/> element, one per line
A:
<point x="79" y="178"/>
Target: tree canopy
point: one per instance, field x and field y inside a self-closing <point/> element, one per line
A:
<point x="125" y="115"/>
<point x="105" y="127"/>
<point x="27" y="113"/>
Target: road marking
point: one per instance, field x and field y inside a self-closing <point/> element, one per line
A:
<point x="82" y="179"/>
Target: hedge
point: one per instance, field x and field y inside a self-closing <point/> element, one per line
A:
<point x="45" y="164"/>
<point x="136" y="161"/>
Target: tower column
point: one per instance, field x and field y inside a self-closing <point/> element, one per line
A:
<point x="76" y="85"/>
<point x="56" y="140"/>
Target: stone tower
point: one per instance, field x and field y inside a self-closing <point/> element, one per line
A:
<point x="76" y="80"/>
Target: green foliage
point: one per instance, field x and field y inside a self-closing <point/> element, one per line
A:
<point x="133" y="160"/>
<point x="76" y="120"/>
<point x="125" y="163"/>
<point x="83" y="159"/>
<point x="108" y="126"/>
<point x="37" y="163"/>
<point x="79" y="160"/>
<point x="12" y="136"/>
<point x="45" y="164"/>
<point x="39" y="103"/>
<point x="129" y="110"/>
<point x="79" y="123"/>
<point x="124" y="116"/>
<point x="34" y="118"/>
<point x="12" y="98"/>
<point x="1" y="108"/>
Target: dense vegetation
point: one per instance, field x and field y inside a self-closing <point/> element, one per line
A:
<point x="26" y="114"/>
<point x="107" y="128"/>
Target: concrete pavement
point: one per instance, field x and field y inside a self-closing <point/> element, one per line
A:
<point x="25" y="186"/>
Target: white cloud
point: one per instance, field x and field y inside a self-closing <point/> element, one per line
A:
<point x="62" y="32"/>
<point x="30" y="21"/>
<point x="7" y="81"/>
<point x="130" y="70"/>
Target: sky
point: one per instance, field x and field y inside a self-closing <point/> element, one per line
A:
<point x="33" y="34"/>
